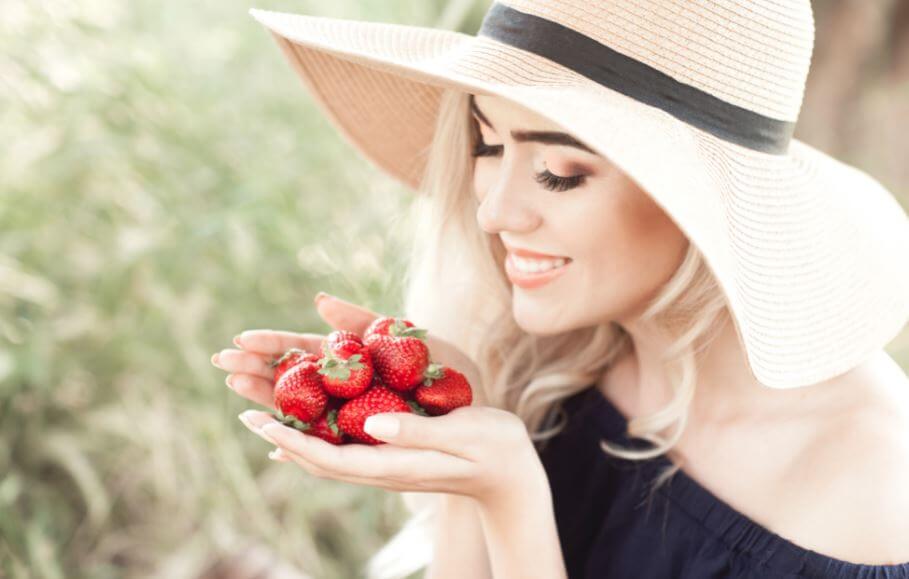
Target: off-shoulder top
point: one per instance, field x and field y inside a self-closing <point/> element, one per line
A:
<point x="609" y="530"/>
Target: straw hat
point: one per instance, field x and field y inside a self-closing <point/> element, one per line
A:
<point x="696" y="102"/>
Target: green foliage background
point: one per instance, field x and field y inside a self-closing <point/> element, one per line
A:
<point x="166" y="183"/>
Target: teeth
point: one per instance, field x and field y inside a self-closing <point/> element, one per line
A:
<point x="525" y="265"/>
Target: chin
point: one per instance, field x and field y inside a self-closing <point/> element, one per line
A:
<point x="538" y="320"/>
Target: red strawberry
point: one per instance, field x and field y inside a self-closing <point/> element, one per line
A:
<point x="346" y="369"/>
<point x="380" y="326"/>
<point x="443" y="390"/>
<point x="326" y="428"/>
<point x="401" y="356"/>
<point x="376" y="400"/>
<point x="339" y="336"/>
<point x="291" y="358"/>
<point x="299" y="392"/>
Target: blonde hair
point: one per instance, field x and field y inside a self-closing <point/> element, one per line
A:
<point x="456" y="288"/>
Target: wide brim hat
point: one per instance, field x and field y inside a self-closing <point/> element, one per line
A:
<point x="697" y="103"/>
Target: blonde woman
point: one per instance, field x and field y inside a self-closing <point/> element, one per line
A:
<point x="673" y="312"/>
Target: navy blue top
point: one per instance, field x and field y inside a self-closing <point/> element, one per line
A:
<point x="608" y="530"/>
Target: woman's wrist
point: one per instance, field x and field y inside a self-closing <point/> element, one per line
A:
<point x="512" y="498"/>
<point x="521" y="533"/>
<point x="459" y="542"/>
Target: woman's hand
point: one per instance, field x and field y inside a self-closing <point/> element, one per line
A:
<point x="481" y="452"/>
<point x="473" y="451"/>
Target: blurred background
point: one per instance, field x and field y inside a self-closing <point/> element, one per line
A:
<point x="166" y="183"/>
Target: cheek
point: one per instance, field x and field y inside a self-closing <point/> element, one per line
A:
<point x="634" y="240"/>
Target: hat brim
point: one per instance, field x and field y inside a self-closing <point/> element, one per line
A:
<point x="809" y="251"/>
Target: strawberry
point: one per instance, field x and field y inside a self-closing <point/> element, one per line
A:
<point x="339" y="336"/>
<point x="291" y="358"/>
<point x="376" y="400"/>
<point x="443" y="390"/>
<point x="326" y="428"/>
<point x="400" y="356"/>
<point x="346" y="369"/>
<point x="380" y="327"/>
<point x="299" y="392"/>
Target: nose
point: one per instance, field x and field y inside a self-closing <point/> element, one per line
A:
<point x="506" y="205"/>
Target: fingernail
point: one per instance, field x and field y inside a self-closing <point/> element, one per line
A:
<point x="214" y="360"/>
<point x="277" y="455"/>
<point x="229" y="381"/>
<point x="319" y="297"/>
<point x="261" y="432"/>
<point x="382" y="426"/>
<point x="265" y="435"/>
<point x="244" y="420"/>
<point x="237" y="341"/>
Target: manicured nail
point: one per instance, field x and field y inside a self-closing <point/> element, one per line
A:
<point x="214" y="360"/>
<point x="264" y="435"/>
<point x="259" y="431"/>
<point x="237" y="341"/>
<point x="262" y="432"/>
<point x="245" y="421"/>
<point x="229" y="381"/>
<point x="382" y="426"/>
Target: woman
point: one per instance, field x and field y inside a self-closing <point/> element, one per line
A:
<point x="705" y="334"/>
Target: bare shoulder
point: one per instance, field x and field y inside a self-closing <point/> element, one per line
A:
<point x="853" y="476"/>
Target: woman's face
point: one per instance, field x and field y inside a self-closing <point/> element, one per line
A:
<point x="621" y="246"/>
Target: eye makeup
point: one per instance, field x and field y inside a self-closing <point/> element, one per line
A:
<point x="545" y="178"/>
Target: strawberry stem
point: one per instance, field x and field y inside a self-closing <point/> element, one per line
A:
<point x="332" y="419"/>
<point x="417" y="409"/>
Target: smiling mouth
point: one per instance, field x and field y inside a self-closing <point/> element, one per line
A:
<point x="531" y="266"/>
<point x="534" y="279"/>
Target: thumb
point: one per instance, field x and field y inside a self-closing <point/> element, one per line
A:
<point x="343" y="315"/>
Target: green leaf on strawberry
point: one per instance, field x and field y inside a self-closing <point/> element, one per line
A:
<point x="401" y="330"/>
<point x="433" y="372"/>
<point x="332" y="419"/>
<point x="340" y="369"/>
<point x="417" y="409"/>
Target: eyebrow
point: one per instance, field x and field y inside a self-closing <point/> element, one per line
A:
<point x="545" y="137"/>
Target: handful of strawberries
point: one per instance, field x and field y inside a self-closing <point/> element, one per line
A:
<point x="387" y="370"/>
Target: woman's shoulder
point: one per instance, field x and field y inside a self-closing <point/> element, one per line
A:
<point x="853" y="474"/>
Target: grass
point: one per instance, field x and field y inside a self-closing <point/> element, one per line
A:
<point x="166" y="185"/>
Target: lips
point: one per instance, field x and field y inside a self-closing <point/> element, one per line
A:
<point x="540" y="256"/>
<point x="529" y="254"/>
<point x="532" y="280"/>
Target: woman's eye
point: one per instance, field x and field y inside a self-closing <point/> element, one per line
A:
<point x="547" y="179"/>
<point x="484" y="150"/>
<point x="557" y="183"/>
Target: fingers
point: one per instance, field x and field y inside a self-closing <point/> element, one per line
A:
<point x="384" y="466"/>
<point x="457" y="433"/>
<point x="343" y="315"/>
<point x="278" y="455"/>
<point x="285" y="455"/>
<point x="275" y="342"/>
<point x="288" y="447"/>
<point x="259" y="390"/>
<point x="366" y="462"/>
<point x="251" y="374"/>
<point x="241" y="362"/>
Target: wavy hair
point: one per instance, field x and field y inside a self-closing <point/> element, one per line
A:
<point x="456" y="287"/>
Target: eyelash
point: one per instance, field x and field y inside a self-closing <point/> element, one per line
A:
<point x="547" y="179"/>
